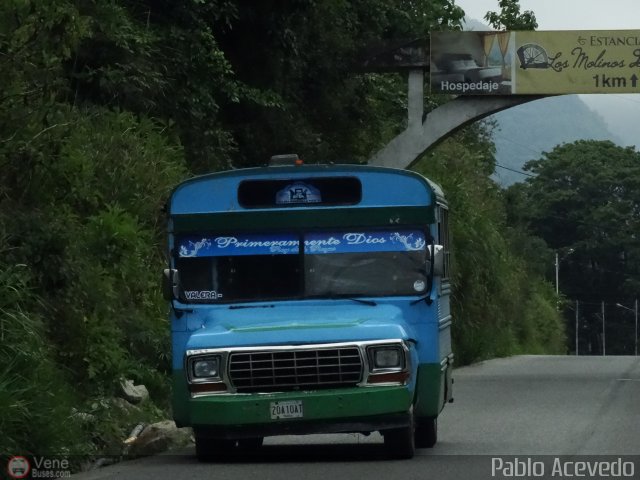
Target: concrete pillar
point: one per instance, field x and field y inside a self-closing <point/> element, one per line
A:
<point x="415" y="101"/>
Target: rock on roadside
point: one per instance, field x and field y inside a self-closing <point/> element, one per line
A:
<point x="133" y="393"/>
<point x="160" y="437"/>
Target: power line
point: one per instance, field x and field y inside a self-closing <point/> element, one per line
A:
<point x="515" y="171"/>
<point x="521" y="145"/>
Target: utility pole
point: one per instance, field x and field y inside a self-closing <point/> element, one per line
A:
<point x="604" y="342"/>
<point x="557" y="269"/>
<point x="577" y="317"/>
<point x="558" y="260"/>
<point x="635" y="338"/>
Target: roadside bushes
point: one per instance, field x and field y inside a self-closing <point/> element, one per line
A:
<point x="501" y="304"/>
<point x="82" y="248"/>
<point x="36" y="398"/>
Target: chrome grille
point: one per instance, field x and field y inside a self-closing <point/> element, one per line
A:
<point x="282" y="370"/>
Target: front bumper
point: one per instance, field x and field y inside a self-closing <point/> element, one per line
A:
<point x="361" y="409"/>
<point x="305" y="427"/>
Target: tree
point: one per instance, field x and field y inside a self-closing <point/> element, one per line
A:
<point x="306" y="53"/>
<point x="586" y="198"/>
<point x="510" y="18"/>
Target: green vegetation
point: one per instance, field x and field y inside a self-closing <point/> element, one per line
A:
<point x="584" y="203"/>
<point x="510" y="18"/>
<point x="80" y="258"/>
<point x="105" y="106"/>
<point x="502" y="305"/>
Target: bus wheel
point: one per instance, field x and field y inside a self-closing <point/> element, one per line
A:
<point x="213" y="449"/>
<point x="426" y="432"/>
<point x="250" y="443"/>
<point x="400" y="442"/>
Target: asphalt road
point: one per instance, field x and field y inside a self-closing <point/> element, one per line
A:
<point x="533" y="414"/>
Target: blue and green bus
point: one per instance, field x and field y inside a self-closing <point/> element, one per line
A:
<point x="309" y="299"/>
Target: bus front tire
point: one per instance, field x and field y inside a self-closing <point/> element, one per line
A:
<point x="214" y="449"/>
<point x="250" y="444"/>
<point x="400" y="442"/>
<point x="426" y="432"/>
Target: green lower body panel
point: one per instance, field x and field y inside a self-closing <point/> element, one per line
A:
<point x="180" y="399"/>
<point x="352" y="409"/>
<point x="433" y="386"/>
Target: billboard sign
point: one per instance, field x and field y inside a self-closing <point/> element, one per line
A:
<point x="535" y="63"/>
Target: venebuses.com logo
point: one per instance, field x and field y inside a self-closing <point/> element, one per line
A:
<point x="18" y="467"/>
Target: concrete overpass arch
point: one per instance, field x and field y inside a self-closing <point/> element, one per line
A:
<point x="495" y="70"/>
<point x="424" y="132"/>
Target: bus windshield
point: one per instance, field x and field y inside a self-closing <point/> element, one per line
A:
<point x="319" y="264"/>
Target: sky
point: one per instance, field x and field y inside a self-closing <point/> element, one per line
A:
<point x="621" y="112"/>
<point x="568" y="14"/>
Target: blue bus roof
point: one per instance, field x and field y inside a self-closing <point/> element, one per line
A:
<point x="218" y="192"/>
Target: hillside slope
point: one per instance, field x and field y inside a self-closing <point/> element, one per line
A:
<point x="524" y="132"/>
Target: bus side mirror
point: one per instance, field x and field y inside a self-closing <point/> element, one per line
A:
<point x="437" y="257"/>
<point x="170" y="284"/>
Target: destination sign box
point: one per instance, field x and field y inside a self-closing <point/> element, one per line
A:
<point x="535" y="63"/>
<point x="289" y="244"/>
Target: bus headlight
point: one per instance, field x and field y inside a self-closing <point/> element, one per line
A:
<point x="206" y="367"/>
<point x="387" y="357"/>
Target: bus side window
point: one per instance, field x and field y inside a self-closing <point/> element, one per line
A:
<point x="442" y="216"/>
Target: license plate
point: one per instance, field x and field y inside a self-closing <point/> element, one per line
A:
<point x="289" y="409"/>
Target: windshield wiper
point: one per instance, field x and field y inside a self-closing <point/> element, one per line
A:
<point x="179" y="311"/>
<point x="353" y="299"/>
<point x="426" y="298"/>
<point x="363" y="301"/>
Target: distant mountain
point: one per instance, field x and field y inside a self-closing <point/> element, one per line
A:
<point x="525" y="131"/>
